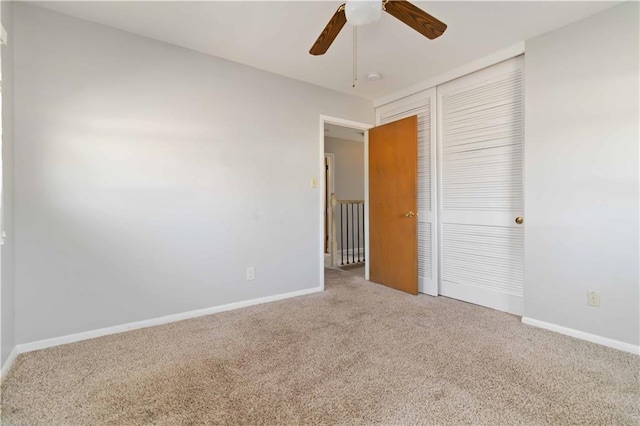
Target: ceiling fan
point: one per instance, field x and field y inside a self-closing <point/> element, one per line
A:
<point x="362" y="12"/>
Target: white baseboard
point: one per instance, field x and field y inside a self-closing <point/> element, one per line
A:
<point x="427" y="286"/>
<point x="349" y="253"/>
<point x="605" y="341"/>
<point x="92" y="334"/>
<point x="352" y="250"/>
<point x="8" y="363"/>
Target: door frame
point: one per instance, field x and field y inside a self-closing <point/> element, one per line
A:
<point x="326" y="119"/>
<point x="331" y="161"/>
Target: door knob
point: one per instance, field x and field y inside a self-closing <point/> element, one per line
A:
<point x="519" y="220"/>
<point x="409" y="214"/>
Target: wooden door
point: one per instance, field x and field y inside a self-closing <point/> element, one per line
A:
<point x="393" y="172"/>
<point x="423" y="105"/>
<point x="480" y="140"/>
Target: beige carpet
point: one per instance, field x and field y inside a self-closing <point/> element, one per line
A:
<point x="357" y="270"/>
<point x="358" y="353"/>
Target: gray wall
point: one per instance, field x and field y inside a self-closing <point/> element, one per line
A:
<point x="348" y="168"/>
<point x="7" y="250"/>
<point x="581" y="174"/>
<point x="348" y="173"/>
<point x="150" y="176"/>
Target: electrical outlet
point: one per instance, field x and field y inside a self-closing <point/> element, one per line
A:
<point x="251" y="273"/>
<point x="593" y="298"/>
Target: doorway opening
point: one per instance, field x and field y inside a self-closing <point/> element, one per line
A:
<point x="344" y="210"/>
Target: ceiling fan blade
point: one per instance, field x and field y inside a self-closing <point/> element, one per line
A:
<point x="416" y="18"/>
<point x="330" y="32"/>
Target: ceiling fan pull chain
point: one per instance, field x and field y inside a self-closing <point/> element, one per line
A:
<point x="353" y="76"/>
<point x="355" y="56"/>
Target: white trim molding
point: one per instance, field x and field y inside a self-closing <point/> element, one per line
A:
<point x="352" y="251"/>
<point x="484" y="62"/>
<point x="605" y="341"/>
<point x="9" y="363"/>
<point x="92" y="334"/>
<point x="347" y="254"/>
<point x="324" y="119"/>
<point x="4" y="37"/>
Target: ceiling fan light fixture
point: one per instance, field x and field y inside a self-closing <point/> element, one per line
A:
<point x="362" y="12"/>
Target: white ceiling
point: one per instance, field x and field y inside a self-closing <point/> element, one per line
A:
<point x="276" y="36"/>
<point x="340" y="132"/>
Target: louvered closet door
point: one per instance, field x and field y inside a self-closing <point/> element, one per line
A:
<point x="480" y="142"/>
<point x="421" y="104"/>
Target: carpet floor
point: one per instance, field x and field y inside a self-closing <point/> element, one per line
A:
<point x="358" y="353"/>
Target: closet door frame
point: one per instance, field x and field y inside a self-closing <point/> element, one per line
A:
<point x="397" y="110"/>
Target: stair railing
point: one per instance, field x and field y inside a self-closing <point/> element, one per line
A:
<point x="350" y="215"/>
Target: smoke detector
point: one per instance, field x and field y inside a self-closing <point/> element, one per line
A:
<point x="374" y="76"/>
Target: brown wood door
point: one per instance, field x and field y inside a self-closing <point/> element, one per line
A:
<point x="393" y="180"/>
